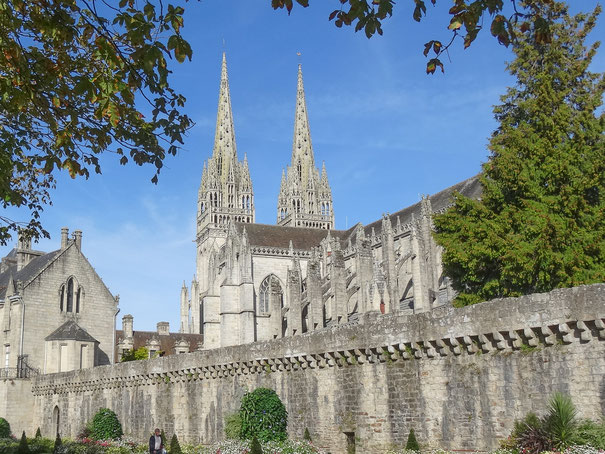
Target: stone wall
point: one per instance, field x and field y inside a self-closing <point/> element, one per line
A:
<point x="459" y="377"/>
<point x="16" y="403"/>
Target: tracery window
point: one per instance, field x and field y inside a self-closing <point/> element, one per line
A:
<point x="270" y="291"/>
<point x="71" y="295"/>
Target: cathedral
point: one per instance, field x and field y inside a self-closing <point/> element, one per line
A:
<point x="256" y="282"/>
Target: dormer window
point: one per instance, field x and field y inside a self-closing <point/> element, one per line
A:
<point x="70" y="296"/>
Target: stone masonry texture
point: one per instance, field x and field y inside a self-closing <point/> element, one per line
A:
<point x="459" y="377"/>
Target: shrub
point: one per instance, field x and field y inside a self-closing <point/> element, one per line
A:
<point x="263" y="415"/>
<point x="5" y="428"/>
<point x="412" y="443"/>
<point x="23" y="448"/>
<point x="255" y="447"/>
<point x="590" y="433"/>
<point x="233" y="426"/>
<point x="40" y="445"/>
<point x="307" y="435"/>
<point x="175" y="447"/>
<point x="561" y="422"/>
<point x="38" y="433"/>
<point x="535" y="440"/>
<point x="105" y="425"/>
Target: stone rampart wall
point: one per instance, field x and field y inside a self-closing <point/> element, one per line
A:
<point x="459" y="377"/>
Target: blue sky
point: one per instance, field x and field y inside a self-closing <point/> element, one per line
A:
<point x="386" y="131"/>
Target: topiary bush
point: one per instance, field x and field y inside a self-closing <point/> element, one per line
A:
<point x="233" y="426"/>
<point x="38" y="433"/>
<point x="23" y="448"/>
<point x="105" y="425"/>
<point x="175" y="447"/>
<point x="58" y="444"/>
<point x="263" y="415"/>
<point x="255" y="447"/>
<point x="412" y="443"/>
<point x="307" y="435"/>
<point x="5" y="428"/>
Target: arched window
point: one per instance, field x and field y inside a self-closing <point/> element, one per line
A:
<point x="269" y="292"/>
<point x="71" y="296"/>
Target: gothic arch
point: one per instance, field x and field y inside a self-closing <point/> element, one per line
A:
<point x="71" y="296"/>
<point x="270" y="294"/>
<point x="56" y="419"/>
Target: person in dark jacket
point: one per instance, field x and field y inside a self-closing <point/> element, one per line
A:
<point x="156" y="444"/>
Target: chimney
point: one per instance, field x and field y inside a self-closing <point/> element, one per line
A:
<point x="163" y="328"/>
<point x="78" y="239"/>
<point x="64" y="237"/>
<point x="24" y="245"/>
<point x="127" y="326"/>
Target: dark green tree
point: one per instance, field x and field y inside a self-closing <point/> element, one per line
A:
<point x="540" y="223"/>
<point x="74" y="77"/>
<point x="23" y="447"/>
<point x="412" y="443"/>
<point x="38" y="433"/>
<point x="175" y="447"/>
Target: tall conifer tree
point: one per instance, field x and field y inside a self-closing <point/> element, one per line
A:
<point x="540" y="223"/>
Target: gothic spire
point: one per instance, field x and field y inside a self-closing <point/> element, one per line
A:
<point x="305" y="199"/>
<point x="226" y="193"/>
<point x="301" y="145"/>
<point x="224" y="139"/>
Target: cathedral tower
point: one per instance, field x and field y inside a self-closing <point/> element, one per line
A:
<point x="226" y="189"/>
<point x="305" y="197"/>
<point x="225" y="195"/>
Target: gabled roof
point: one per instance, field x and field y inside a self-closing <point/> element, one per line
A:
<point x="70" y="330"/>
<point x="280" y="237"/>
<point x="470" y="188"/>
<point x="167" y="342"/>
<point x="28" y="272"/>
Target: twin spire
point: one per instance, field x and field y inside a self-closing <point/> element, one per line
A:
<point x="226" y="194"/>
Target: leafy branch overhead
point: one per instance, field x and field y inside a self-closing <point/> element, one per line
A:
<point x="467" y="19"/>
<point x="80" y="78"/>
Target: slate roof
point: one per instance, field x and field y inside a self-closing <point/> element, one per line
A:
<point x="305" y="238"/>
<point x="140" y="339"/>
<point x="70" y="330"/>
<point x="277" y="236"/>
<point x="470" y="188"/>
<point x="28" y="272"/>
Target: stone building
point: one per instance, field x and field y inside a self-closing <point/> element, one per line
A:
<point x="256" y="282"/>
<point x="56" y="315"/>
<point x="158" y="343"/>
